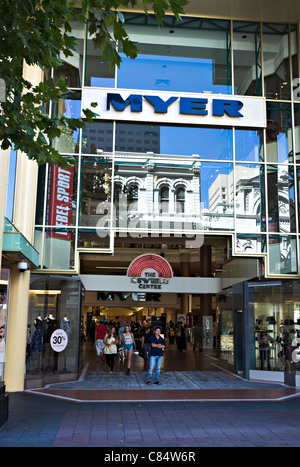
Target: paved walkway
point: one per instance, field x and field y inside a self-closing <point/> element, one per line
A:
<point x="189" y="386"/>
<point x="189" y="410"/>
<point x="36" y="420"/>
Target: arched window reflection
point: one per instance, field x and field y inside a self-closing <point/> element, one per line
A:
<point x="164" y="199"/>
<point x="180" y="200"/>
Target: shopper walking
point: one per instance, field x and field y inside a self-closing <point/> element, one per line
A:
<point x="157" y="351"/>
<point x="182" y="338"/>
<point x="121" y="332"/>
<point x="110" y="349"/>
<point x="129" y="344"/>
<point x="171" y="334"/>
<point x="146" y="344"/>
<point x="100" y="332"/>
<point x="198" y="336"/>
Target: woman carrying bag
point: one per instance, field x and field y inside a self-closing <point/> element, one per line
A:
<point x="110" y="350"/>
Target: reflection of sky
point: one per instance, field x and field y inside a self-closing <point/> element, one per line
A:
<point x="11" y="185"/>
<point x="209" y="143"/>
<point x="247" y="145"/>
<point x="73" y="110"/>
<point x="181" y="74"/>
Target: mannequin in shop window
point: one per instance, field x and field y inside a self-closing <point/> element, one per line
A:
<point x="264" y="349"/>
<point x="36" y="345"/>
<point x="65" y="324"/>
<point x="51" y="356"/>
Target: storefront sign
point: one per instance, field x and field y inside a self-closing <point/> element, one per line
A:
<point x="207" y="332"/>
<point x="168" y="107"/>
<point x="60" y="199"/>
<point x="150" y="272"/>
<point x="59" y="340"/>
<point x="181" y="318"/>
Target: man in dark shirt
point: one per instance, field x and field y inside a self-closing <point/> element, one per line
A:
<point x="157" y="351"/>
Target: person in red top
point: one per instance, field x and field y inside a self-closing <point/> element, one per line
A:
<point x="100" y="332"/>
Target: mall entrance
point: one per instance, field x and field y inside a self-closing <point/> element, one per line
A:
<point x="183" y="353"/>
<point x="192" y="357"/>
<point x="156" y="280"/>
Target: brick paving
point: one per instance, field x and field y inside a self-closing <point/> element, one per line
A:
<point x="41" y="421"/>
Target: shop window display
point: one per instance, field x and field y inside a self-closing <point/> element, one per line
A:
<point x="277" y="326"/>
<point x="54" y="307"/>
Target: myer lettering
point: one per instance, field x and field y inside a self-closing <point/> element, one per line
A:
<point x="150" y="281"/>
<point x="170" y="107"/>
<point x="187" y="105"/>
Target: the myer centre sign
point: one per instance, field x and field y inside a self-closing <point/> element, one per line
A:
<point x="150" y="272"/>
<point x="170" y="107"/>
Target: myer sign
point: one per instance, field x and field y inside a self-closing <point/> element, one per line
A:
<point x="171" y="107"/>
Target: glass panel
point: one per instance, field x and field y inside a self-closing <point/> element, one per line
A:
<point x="11" y="185"/>
<point x="249" y="145"/>
<point x="97" y="138"/>
<point x="193" y="57"/>
<point x="71" y="69"/>
<point x="279" y="138"/>
<point x="69" y="73"/>
<point x="156" y="193"/>
<point x="298" y="194"/>
<point x="294" y="52"/>
<point x="59" y="249"/>
<point x="53" y="304"/>
<point x="68" y="143"/>
<point x="38" y="242"/>
<point x="95" y="190"/>
<point x="97" y="71"/>
<point x="277" y="325"/>
<point x="250" y="198"/>
<point x="216" y="195"/>
<point x="276" y="61"/>
<point x="208" y="143"/>
<point x="39" y="213"/>
<point x="247" y="58"/>
<point x="281" y="198"/>
<point x="282" y="254"/>
<point x="62" y="195"/>
<point x="94" y="239"/>
<point x="297" y="131"/>
<point x="225" y="322"/>
<point x="250" y="244"/>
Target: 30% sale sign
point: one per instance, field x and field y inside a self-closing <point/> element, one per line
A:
<point x="59" y="340"/>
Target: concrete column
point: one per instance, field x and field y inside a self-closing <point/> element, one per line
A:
<point x="24" y="215"/>
<point x="17" y="331"/>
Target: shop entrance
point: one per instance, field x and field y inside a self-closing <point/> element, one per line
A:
<point x="156" y="278"/>
<point x="183" y="353"/>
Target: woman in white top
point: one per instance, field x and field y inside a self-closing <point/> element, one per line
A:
<point x="110" y="350"/>
<point x="129" y="343"/>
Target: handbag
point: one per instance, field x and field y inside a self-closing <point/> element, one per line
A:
<point x="141" y="352"/>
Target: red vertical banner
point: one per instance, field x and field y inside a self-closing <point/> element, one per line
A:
<point x="60" y="197"/>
